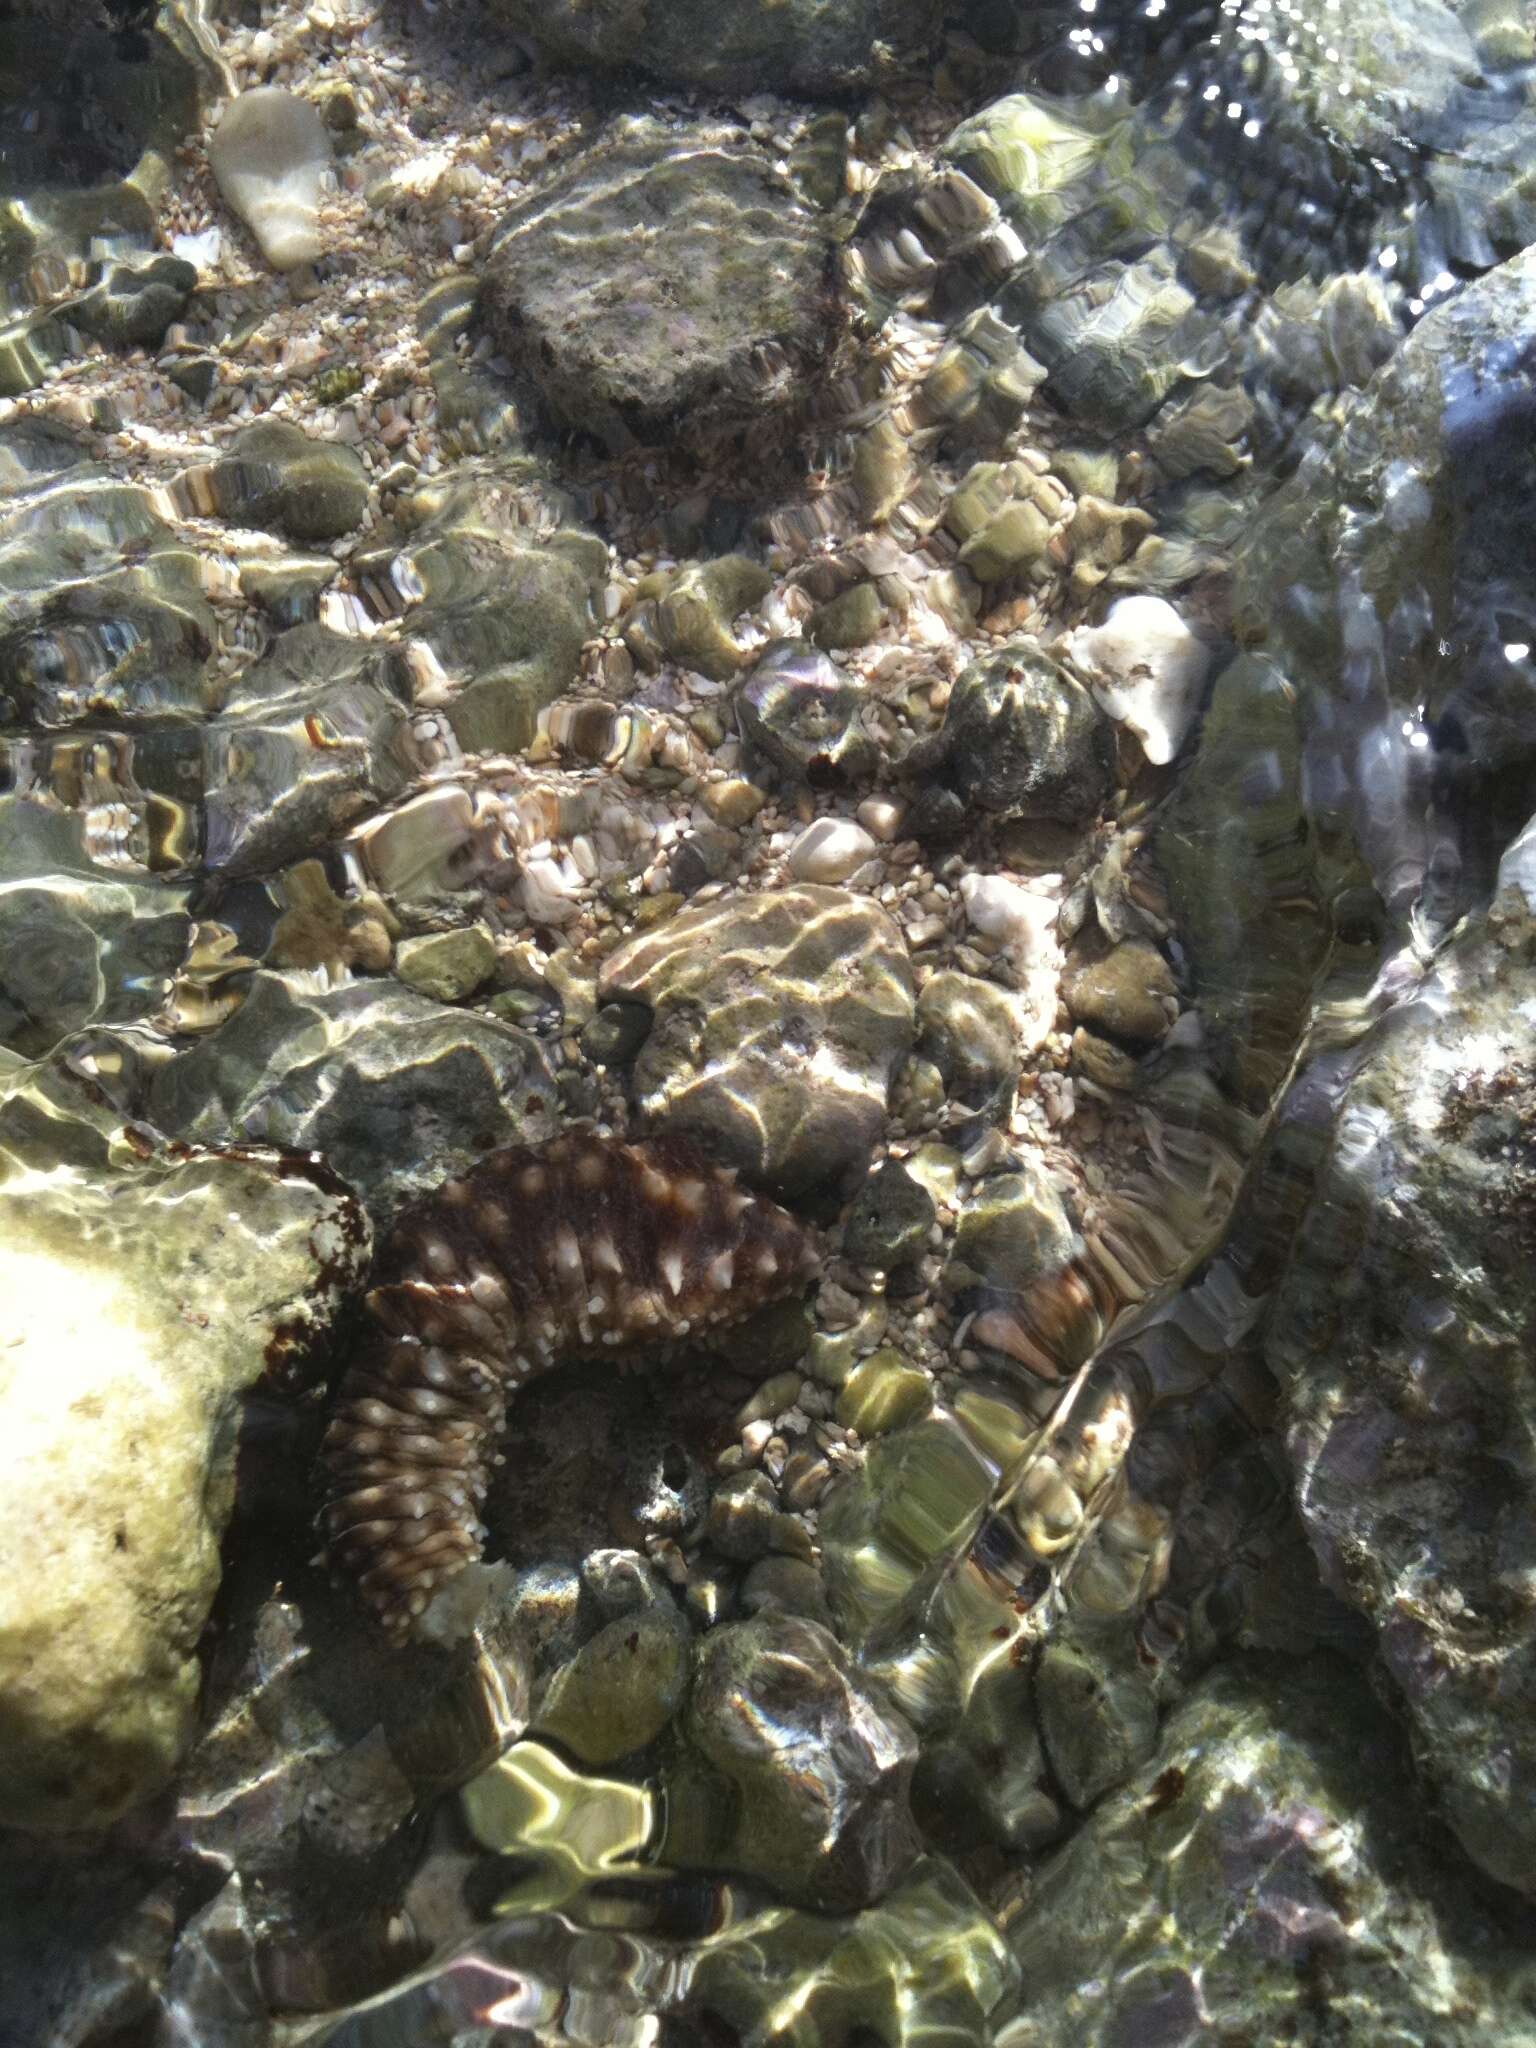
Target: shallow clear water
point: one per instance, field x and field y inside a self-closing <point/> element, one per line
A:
<point x="813" y="723"/>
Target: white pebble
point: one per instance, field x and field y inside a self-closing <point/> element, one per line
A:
<point x="270" y="153"/>
<point x="829" y="851"/>
<point x="1146" y="669"/>
<point x="882" y="815"/>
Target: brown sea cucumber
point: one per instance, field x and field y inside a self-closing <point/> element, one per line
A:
<point x="536" y="1254"/>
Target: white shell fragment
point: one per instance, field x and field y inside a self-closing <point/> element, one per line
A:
<point x="1145" y="668"/>
<point x="270" y="153"/>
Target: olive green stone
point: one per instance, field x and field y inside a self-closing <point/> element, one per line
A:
<point x="890" y="1220"/>
<point x="1098" y="1716"/>
<point x="278" y="476"/>
<point x="1124" y="993"/>
<point x="447" y="965"/>
<point x="620" y="1689"/>
<point x="832" y="1354"/>
<point x="1009" y="543"/>
<point x="1111" y="1066"/>
<point x="883" y="1392"/>
<point x="337" y="383"/>
<point x="1014" y="1229"/>
<point x="743" y="1516"/>
<point x="691" y="616"/>
<point x="849" y="620"/>
<point x="883" y="470"/>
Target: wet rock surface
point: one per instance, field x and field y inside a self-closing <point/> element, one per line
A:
<point x="148" y="1292"/>
<point x="1258" y="1782"/>
<point x="940" y="606"/>
<point x="818" y="1767"/>
<point x="388" y="1084"/>
<point x="778" y="1022"/>
<point x="1402" y="1338"/>
<point x="1021" y="739"/>
<point x="809" y="46"/>
<point x="667" y="285"/>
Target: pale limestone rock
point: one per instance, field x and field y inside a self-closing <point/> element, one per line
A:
<point x="142" y="1298"/>
<point x="270" y="154"/>
<point x="1146" y="669"/>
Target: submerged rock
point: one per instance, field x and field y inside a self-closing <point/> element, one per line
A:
<point x="925" y="1968"/>
<point x="1404" y="1335"/>
<point x="276" y="475"/>
<point x="779" y="1021"/>
<point x="393" y="1088"/>
<point x="1021" y="739"/>
<point x="147" y="1292"/>
<point x="663" y="286"/>
<point x="1265" y="1874"/>
<point x="270" y="153"/>
<point x="805" y="715"/>
<point x="818" y="1766"/>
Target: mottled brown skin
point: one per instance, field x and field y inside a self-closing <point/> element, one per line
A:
<point x="537" y="1254"/>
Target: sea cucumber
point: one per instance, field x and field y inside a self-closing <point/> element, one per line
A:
<point x="534" y="1255"/>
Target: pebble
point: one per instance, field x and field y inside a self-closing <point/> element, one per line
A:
<point x="829" y="851"/>
<point x="447" y="965"/>
<point x="1145" y="668"/>
<point x="882" y="1392"/>
<point x="732" y="802"/>
<point x="269" y="154"/>
<point x="881" y="816"/>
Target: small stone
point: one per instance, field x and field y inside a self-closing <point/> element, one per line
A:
<point x="742" y="1516"/>
<point x="969" y="1029"/>
<point x="1101" y="1061"/>
<point x="788" y="1585"/>
<point x="710" y="853"/>
<point x="196" y="375"/>
<point x="1007" y="544"/>
<point x="819" y="1765"/>
<point x="447" y="965"/>
<point x="1128" y="993"/>
<point x="620" y="1689"/>
<point x="1014" y="1229"/>
<point x="804" y="715"/>
<point x="734" y="802"/>
<point x="849" y="620"/>
<point x="691" y="615"/>
<point x="136" y="301"/>
<point x="615" y="1034"/>
<point x="771" y="1399"/>
<point x="889" y="1222"/>
<point x="829" y="851"/>
<point x="1146" y="668"/>
<point x="881" y="817"/>
<point x="770" y="1340"/>
<point x="270" y="153"/>
<point x="881" y="1393"/>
